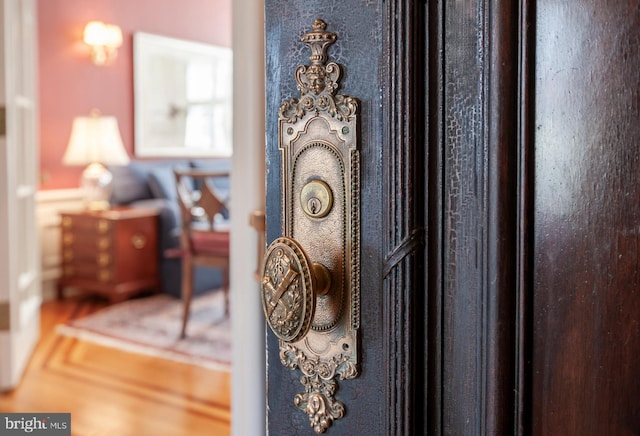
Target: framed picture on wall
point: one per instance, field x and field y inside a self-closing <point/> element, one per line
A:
<point x="182" y="98"/>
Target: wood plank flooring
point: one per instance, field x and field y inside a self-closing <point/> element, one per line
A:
<point x="111" y="392"/>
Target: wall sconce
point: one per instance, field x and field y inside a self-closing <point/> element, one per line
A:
<point x="104" y="40"/>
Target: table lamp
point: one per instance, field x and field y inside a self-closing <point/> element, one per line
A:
<point x="95" y="141"/>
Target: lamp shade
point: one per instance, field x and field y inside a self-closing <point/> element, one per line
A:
<point x="95" y="139"/>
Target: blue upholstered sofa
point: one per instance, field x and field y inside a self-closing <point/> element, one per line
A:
<point x="151" y="184"/>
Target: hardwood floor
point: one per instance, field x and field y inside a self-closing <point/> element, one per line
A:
<point x="111" y="392"/>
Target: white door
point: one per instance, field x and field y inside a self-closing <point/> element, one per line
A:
<point x="20" y="284"/>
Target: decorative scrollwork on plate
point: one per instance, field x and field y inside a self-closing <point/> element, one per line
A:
<point x="319" y="82"/>
<point x="318" y="399"/>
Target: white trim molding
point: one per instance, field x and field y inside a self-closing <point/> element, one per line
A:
<point x="49" y="204"/>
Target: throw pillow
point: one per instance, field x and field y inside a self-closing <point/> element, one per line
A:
<point x="130" y="183"/>
<point x="162" y="182"/>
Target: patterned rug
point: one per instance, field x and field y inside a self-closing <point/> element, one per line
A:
<point x="151" y="325"/>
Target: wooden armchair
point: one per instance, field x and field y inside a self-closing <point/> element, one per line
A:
<point x="204" y="242"/>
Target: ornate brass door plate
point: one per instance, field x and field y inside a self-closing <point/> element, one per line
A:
<point x="311" y="296"/>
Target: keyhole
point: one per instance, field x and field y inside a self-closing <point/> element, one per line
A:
<point x="314" y="205"/>
<point x="316" y="199"/>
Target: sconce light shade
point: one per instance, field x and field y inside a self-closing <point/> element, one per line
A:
<point x="104" y="40"/>
<point x="95" y="140"/>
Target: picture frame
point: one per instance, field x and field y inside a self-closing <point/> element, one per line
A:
<point x="182" y="98"/>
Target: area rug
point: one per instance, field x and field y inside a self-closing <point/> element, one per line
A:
<point x="151" y="325"/>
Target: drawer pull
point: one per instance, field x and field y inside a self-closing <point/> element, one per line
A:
<point x="67" y="222"/>
<point x="103" y="226"/>
<point x="139" y="241"/>
<point x="67" y="239"/>
<point x="103" y="259"/>
<point x="104" y="276"/>
<point x="68" y="255"/>
<point x="103" y="243"/>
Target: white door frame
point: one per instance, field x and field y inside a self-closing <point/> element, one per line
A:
<point x="20" y="277"/>
<point x="248" y="403"/>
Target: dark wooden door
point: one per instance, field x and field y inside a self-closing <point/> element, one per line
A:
<point x="585" y="356"/>
<point x="392" y="235"/>
<point x="500" y="150"/>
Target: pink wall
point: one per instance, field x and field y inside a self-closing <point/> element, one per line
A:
<point x="71" y="85"/>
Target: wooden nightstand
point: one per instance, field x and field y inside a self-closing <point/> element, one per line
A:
<point x="113" y="253"/>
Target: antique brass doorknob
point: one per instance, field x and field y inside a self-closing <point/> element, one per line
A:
<point x="314" y="308"/>
<point x="289" y="287"/>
